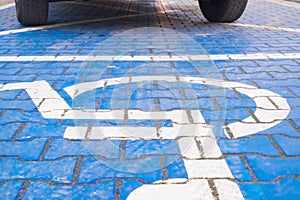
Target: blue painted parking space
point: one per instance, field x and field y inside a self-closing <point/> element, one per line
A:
<point x="148" y="100"/>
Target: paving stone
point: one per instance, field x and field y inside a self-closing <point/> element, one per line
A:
<point x="288" y="145"/>
<point x="13" y="116"/>
<point x="60" y="171"/>
<point x="175" y="167"/>
<point x="286" y="75"/>
<point x="8" y="131"/>
<point x="35" y="130"/>
<point x="241" y="76"/>
<point x="12" y="78"/>
<point x="262" y="68"/>
<point x="144" y="104"/>
<point x="228" y="104"/>
<point x="142" y="94"/>
<point x="47" y="70"/>
<point x="293" y="102"/>
<point x="294" y="113"/>
<point x="26" y="105"/>
<point x="283" y="128"/>
<point x="127" y="186"/>
<point x="238" y="168"/>
<point x="139" y="148"/>
<point x="170" y="104"/>
<point x="147" y="169"/>
<point x="107" y="149"/>
<point x="256" y="144"/>
<point x="284" y="92"/>
<point x="236" y="114"/>
<point x="283" y="189"/>
<point x="29" y="150"/>
<point x="10" y="190"/>
<point x="292" y="68"/>
<point x="297" y="122"/>
<point x="50" y="77"/>
<point x="9" y="95"/>
<point x="12" y="71"/>
<point x="268" y="169"/>
<point x="272" y="83"/>
<point x="101" y="190"/>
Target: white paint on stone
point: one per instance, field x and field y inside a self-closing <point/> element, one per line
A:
<point x="254" y="56"/>
<point x="174" y="189"/>
<point x="201" y="154"/>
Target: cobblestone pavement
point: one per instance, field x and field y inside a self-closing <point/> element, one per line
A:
<point x="145" y="99"/>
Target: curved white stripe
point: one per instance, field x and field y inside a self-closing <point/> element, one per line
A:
<point x="267" y="113"/>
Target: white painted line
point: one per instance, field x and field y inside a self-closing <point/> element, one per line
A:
<point x="210" y="147"/>
<point x="173" y="189"/>
<point x="7" y="6"/>
<point x="48" y="101"/>
<point x="266" y="27"/>
<point x="228" y="190"/>
<point x="286" y="3"/>
<point x="78" y="133"/>
<point x="137" y="133"/>
<point x="189" y="148"/>
<point x="256" y="56"/>
<point x="207" y="168"/>
<point x="122" y="133"/>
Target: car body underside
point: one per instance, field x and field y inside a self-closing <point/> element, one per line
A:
<point x="35" y="12"/>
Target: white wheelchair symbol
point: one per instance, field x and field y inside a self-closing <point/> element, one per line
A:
<point x="206" y="170"/>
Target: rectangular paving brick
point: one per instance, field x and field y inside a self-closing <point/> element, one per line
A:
<point x="26" y="105"/>
<point x="238" y="168"/>
<point x="269" y="169"/>
<point x="60" y="171"/>
<point x="284" y="188"/>
<point x="10" y="190"/>
<point x="288" y="145"/>
<point x="147" y="169"/>
<point x="60" y="148"/>
<point x="101" y="190"/>
<point x="140" y="148"/>
<point x="8" y="131"/>
<point x="256" y="144"/>
<point x="283" y="128"/>
<point x="36" y="130"/>
<point x="13" y="116"/>
<point x="28" y="150"/>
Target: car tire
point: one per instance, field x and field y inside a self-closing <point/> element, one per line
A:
<point x="32" y="12"/>
<point x="222" y="10"/>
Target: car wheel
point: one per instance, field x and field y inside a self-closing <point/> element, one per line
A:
<point x="32" y="12"/>
<point x="222" y="10"/>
